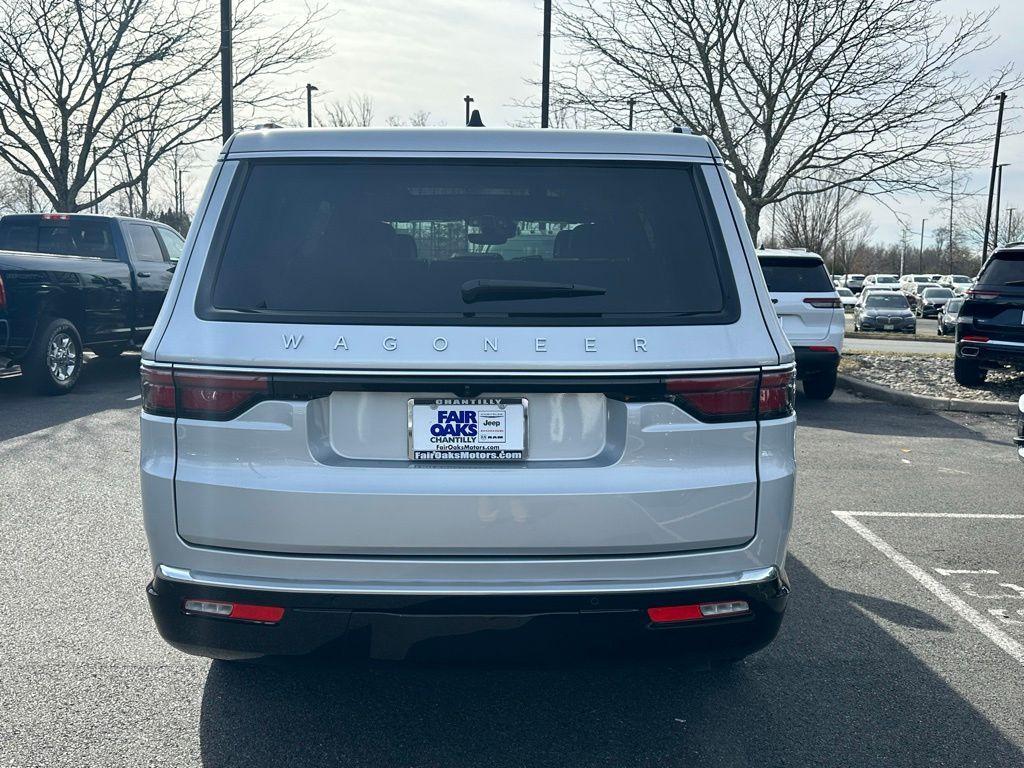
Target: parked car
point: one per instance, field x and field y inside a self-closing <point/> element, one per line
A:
<point x="957" y="283"/>
<point x="70" y="282"/>
<point x="913" y="293"/>
<point x="1019" y="439"/>
<point x="847" y="298"/>
<point x="890" y="282"/>
<point x="868" y="290"/>
<point x="947" y="317"/>
<point x="854" y="283"/>
<point x="885" y="311"/>
<point x="990" y="327"/>
<point x="390" y="430"/>
<point x="839" y="281"/>
<point x="931" y="301"/>
<point x="907" y="282"/>
<point x="811" y="313"/>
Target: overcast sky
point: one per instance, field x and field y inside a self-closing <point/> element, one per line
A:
<point x="428" y="54"/>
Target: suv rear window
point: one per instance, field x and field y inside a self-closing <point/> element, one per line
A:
<point x="1005" y="269"/>
<point x="406" y="241"/>
<point x="799" y="275"/>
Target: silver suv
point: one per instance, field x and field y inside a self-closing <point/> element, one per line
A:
<point x="411" y="384"/>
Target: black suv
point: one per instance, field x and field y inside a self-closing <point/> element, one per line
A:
<point x="990" y="328"/>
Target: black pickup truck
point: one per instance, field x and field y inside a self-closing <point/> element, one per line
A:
<point x="74" y="281"/>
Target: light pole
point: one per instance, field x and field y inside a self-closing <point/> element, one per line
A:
<point x="469" y="100"/>
<point x="227" y="113"/>
<point x="999" y="194"/>
<point x="309" y="104"/>
<point x="545" y="75"/>
<point x="920" y="251"/>
<point x="632" y="103"/>
<point x="1001" y="98"/>
<point x="1009" y="223"/>
<point x="95" y="182"/>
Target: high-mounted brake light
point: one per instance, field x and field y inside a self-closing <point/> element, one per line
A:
<point x="196" y="395"/>
<point x="56" y="217"/>
<point x="264" y="614"/>
<point x="833" y="303"/>
<point x="735" y="397"/>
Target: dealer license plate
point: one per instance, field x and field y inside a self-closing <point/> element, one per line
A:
<point x="467" y="429"/>
<point x="889" y="326"/>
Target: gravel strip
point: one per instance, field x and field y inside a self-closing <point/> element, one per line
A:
<point x="929" y="375"/>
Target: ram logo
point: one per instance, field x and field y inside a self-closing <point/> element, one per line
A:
<point x="291" y="340"/>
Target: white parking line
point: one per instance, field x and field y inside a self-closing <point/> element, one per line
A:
<point x="133" y="397"/>
<point x="971" y="616"/>
<point x="954" y="515"/>
<point x="957" y="572"/>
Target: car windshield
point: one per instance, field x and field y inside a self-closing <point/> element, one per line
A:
<point x="953" y="306"/>
<point x="458" y="241"/>
<point x="937" y="293"/>
<point x="1004" y="269"/>
<point x="960" y="279"/>
<point x="880" y="301"/>
<point x="885" y="279"/>
<point x="844" y="291"/>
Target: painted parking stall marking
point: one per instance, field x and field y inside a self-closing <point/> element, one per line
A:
<point x="994" y="622"/>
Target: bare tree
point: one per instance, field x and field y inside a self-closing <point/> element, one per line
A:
<point x="355" y="112"/>
<point x="79" y="80"/>
<point x="808" y="220"/>
<point x="417" y="119"/>
<point x="849" y="93"/>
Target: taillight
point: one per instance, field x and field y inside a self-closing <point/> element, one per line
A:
<point x="778" y="395"/>
<point x="835" y="303"/>
<point x="196" y="395"/>
<point x="735" y="397"/>
<point x="974" y="293"/>
<point x="3" y="294"/>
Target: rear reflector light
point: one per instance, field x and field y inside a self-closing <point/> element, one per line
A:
<point x="735" y="397"/>
<point x="193" y="395"/>
<point x="671" y="614"/>
<point x="823" y="349"/>
<point x="266" y="614"/>
<point x="976" y="339"/>
<point x="835" y="303"/>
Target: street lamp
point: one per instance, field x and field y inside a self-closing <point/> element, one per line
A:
<point x="1001" y="98"/>
<point x="632" y="103"/>
<point x="469" y="100"/>
<point x="309" y="104"/>
<point x="227" y="115"/>
<point x="95" y="180"/>
<point x="999" y="194"/>
<point x="545" y="75"/>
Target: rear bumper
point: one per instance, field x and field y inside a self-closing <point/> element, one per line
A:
<point x="399" y="626"/>
<point x="810" y="361"/>
<point x="992" y="353"/>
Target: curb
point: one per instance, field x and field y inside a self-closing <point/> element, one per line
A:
<point x="924" y="402"/>
<point x="931" y="339"/>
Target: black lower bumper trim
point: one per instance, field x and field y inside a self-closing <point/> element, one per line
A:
<point x="810" y="361"/>
<point x="466" y="627"/>
<point x="991" y="355"/>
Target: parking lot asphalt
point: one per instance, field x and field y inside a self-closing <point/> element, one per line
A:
<point x="881" y="660"/>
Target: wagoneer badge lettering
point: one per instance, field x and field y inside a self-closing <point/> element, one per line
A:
<point x="440" y="343"/>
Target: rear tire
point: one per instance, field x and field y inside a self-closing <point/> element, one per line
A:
<point x="820" y="386"/>
<point x="54" y="360"/>
<point x="968" y="373"/>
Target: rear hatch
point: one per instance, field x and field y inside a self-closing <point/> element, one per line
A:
<point x="803" y="296"/>
<point x="997" y="301"/>
<point x="488" y="357"/>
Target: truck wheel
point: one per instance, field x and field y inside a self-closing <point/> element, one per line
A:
<point x="820" y="386"/>
<point x="54" y="361"/>
<point x="968" y="373"/>
<point x="108" y="351"/>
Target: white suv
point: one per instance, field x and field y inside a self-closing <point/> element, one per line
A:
<point x="411" y="384"/>
<point x="811" y="313"/>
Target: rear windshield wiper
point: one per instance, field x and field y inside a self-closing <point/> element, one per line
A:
<point x="501" y="290"/>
